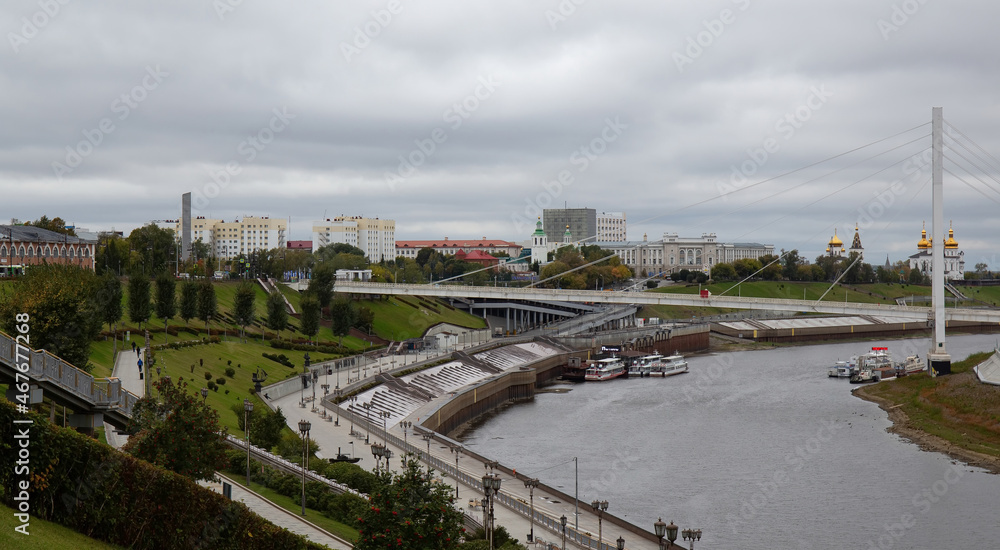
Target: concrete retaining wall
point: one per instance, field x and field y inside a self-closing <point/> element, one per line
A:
<point x="887" y="330"/>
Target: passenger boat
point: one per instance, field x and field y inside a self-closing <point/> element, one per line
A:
<point x="863" y="376"/>
<point x="643" y="365"/>
<point x="912" y="365"/>
<point x="668" y="366"/>
<point x="604" y="369"/>
<point x="841" y="369"/>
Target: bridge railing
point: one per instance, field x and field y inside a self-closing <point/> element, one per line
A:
<point x="43" y="366"/>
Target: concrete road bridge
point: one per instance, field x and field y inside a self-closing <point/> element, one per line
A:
<point x="667" y="299"/>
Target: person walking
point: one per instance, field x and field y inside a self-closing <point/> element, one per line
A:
<point x="140" y="369"/>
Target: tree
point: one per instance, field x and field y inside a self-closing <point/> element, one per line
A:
<point x="365" y="319"/>
<point x="166" y="299"/>
<point x="321" y="285"/>
<point x="916" y="277"/>
<point x="139" y="306"/>
<point x="153" y="248"/>
<point x="343" y="316"/>
<point x="265" y="426"/>
<point x="330" y="251"/>
<point x="243" y="307"/>
<point x="277" y="314"/>
<point x="177" y="431"/>
<point x="111" y="255"/>
<point x="55" y="224"/>
<point x="772" y="267"/>
<point x="189" y="301"/>
<point x="746" y="267"/>
<point x="207" y="305"/>
<point x="791" y="262"/>
<point x="59" y="301"/>
<point x="108" y="302"/>
<point x="309" y="319"/>
<point x="410" y="512"/>
<point x="723" y="272"/>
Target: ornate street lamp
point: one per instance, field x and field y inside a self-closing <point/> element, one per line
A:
<point x="562" y="521"/>
<point x="491" y="486"/>
<point x="531" y="484"/>
<point x="302" y="392"/>
<point x="620" y="543"/>
<point x="691" y="535"/>
<point x="304" y="427"/>
<point x="353" y="399"/>
<point x="247" y="409"/>
<point x="660" y="529"/>
<point x="600" y="506"/>
<point x="315" y="377"/>
<point x="368" y="421"/>
<point x="406" y="427"/>
<point x="428" y="437"/>
<point x="204" y="395"/>
<point x="385" y="415"/>
<point x="458" y="452"/>
<point x="336" y="402"/>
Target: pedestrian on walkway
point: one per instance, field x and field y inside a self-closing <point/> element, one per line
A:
<point x="140" y="369"/>
<point x="133" y="346"/>
<point x="137" y="350"/>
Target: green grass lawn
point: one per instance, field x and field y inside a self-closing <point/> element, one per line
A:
<point x="102" y="357"/>
<point x="988" y="294"/>
<point x="44" y="535"/>
<point x="295" y="506"/>
<point x="215" y="358"/>
<point x="780" y="289"/>
<point x="395" y="320"/>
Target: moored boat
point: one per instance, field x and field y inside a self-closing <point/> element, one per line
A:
<point x="641" y="367"/>
<point x="841" y="369"/>
<point x="604" y="369"/>
<point x="668" y="366"/>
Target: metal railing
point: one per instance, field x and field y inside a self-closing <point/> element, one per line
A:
<point x="102" y="393"/>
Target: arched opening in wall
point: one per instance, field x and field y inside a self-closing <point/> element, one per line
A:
<point x="20" y="251"/>
<point x="31" y="251"/>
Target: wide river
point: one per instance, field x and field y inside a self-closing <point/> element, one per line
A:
<point x="759" y="449"/>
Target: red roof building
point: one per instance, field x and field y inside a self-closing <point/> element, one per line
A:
<point x="478" y="257"/>
<point x="301" y="245"/>
<point x="409" y="249"/>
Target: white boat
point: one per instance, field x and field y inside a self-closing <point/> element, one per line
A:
<point x="912" y="365"/>
<point x="604" y="369"/>
<point x="841" y="369"/>
<point x="863" y="376"/>
<point x="643" y="365"/>
<point x="668" y="366"/>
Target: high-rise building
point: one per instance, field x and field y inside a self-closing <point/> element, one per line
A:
<point x="611" y="227"/>
<point x="231" y="239"/>
<point x="582" y="223"/>
<point x="185" y="226"/>
<point x="377" y="238"/>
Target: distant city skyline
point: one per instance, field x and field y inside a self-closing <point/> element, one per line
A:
<point x="467" y="119"/>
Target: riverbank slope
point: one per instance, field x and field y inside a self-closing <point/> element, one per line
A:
<point x="955" y="414"/>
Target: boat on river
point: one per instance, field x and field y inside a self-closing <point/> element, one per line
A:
<point x="668" y="366"/>
<point x="642" y="366"/>
<point x="604" y="369"/>
<point x="841" y="369"/>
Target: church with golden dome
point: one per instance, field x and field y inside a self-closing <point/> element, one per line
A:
<point x="954" y="259"/>
<point x="836" y="246"/>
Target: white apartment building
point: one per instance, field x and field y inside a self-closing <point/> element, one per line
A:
<point x="230" y="239"/>
<point x="377" y="238"/>
<point x="611" y="227"/>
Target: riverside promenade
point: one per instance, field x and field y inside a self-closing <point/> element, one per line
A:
<point x="336" y="430"/>
<point x="127" y="371"/>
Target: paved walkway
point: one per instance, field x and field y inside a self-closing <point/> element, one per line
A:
<point x="127" y="370"/>
<point x="278" y="515"/>
<point x="332" y="439"/>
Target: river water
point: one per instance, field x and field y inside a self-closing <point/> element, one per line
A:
<point x="759" y="449"/>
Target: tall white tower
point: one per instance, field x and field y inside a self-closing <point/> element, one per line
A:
<point x="539" y="244"/>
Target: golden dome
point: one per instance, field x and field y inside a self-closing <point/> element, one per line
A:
<point x="835" y="241"/>
<point x="951" y="242"/>
<point x="923" y="243"/>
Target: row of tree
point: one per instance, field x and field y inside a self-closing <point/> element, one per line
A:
<point x="792" y="267"/>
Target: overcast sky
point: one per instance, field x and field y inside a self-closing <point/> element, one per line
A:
<point x="305" y="109"/>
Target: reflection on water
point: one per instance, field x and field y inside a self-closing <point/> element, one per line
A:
<point x="759" y="449"/>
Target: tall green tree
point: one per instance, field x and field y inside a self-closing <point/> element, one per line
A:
<point x="189" y="301"/>
<point x="243" y="307"/>
<point x="108" y="301"/>
<point x="324" y="276"/>
<point x="166" y="299"/>
<point x="177" y="431"/>
<point x="410" y="512"/>
<point x="139" y="305"/>
<point x="309" y="319"/>
<point x="55" y="224"/>
<point x="343" y="317"/>
<point x="61" y="309"/>
<point x="207" y="305"/>
<point x="365" y="319"/>
<point x="265" y="426"/>
<point x="277" y="314"/>
<point x="111" y="255"/>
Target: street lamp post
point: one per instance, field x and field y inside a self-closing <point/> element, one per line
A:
<point x="304" y="427"/>
<point x="600" y="506"/>
<point x="562" y="521"/>
<point x="531" y="484"/>
<point x="315" y="378"/>
<point x="691" y="535"/>
<point x="247" y="409"/>
<point x="620" y="543"/>
<point x="406" y="427"/>
<point x="491" y="486"/>
<point x="368" y="421"/>
<point x="385" y="432"/>
<point x="302" y="395"/>
<point x="428" y="437"/>
<point x="336" y="403"/>
<point x="204" y="395"/>
<point x="662" y="529"/>
<point x="458" y="452"/>
<point x="353" y="400"/>
<point x="377" y="454"/>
